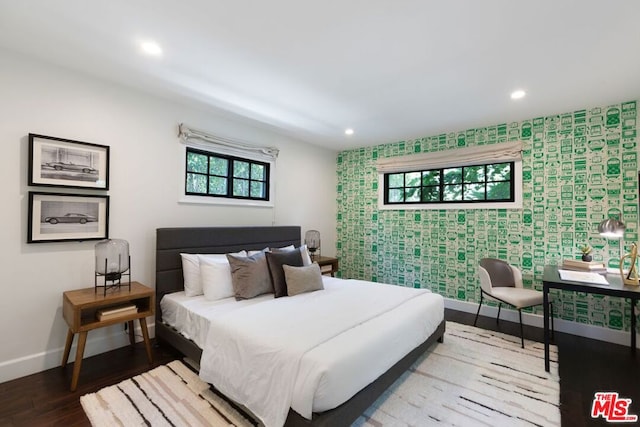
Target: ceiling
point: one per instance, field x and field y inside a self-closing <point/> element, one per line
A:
<point x="391" y="70"/>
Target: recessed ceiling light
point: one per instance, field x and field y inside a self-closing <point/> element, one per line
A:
<point x="151" y="48"/>
<point x="518" y="94"/>
<point x="348" y="131"/>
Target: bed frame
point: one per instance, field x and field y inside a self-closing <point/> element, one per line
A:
<point x="171" y="242"/>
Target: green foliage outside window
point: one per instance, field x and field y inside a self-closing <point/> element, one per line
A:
<point x="477" y="183"/>
<point x="216" y="175"/>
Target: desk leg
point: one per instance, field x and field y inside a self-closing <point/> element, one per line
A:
<point x="82" y="340"/>
<point x="145" y="335"/>
<point x="67" y="348"/>
<point x="633" y="325"/>
<point x="545" y="303"/>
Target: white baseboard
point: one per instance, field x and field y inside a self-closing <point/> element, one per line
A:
<point x="31" y="364"/>
<point x="560" y="325"/>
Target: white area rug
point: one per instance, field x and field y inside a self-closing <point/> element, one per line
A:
<point x="475" y="378"/>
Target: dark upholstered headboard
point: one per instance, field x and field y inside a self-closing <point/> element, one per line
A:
<point x="171" y="242"/>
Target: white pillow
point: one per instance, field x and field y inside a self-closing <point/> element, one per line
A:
<point x="191" y="271"/>
<point x="215" y="276"/>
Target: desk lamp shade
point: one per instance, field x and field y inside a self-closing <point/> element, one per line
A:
<point x="312" y="240"/>
<point x="611" y="228"/>
<point x="112" y="258"/>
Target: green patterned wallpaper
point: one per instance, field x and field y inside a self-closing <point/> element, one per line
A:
<point x="578" y="168"/>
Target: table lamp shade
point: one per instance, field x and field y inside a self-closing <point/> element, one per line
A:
<point x="312" y="240"/>
<point x="112" y="258"/>
<point x="611" y="228"/>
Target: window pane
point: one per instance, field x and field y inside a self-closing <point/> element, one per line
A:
<point x="257" y="172"/>
<point x="196" y="162"/>
<point x="218" y="166"/>
<point x="412" y="179"/>
<point x="498" y="191"/>
<point x="396" y="195"/>
<point x="431" y="177"/>
<point x="241" y="187"/>
<point x="474" y="174"/>
<point x="474" y="191"/>
<point x="257" y="189"/>
<point x="240" y="169"/>
<point x="499" y="172"/>
<point x="431" y="194"/>
<point x="196" y="183"/>
<point x="217" y="185"/>
<point x="453" y="176"/>
<point x="452" y="192"/>
<point x="396" y="180"/>
<point x="412" y="194"/>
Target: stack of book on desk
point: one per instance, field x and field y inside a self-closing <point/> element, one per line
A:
<point x="114" y="312"/>
<point x="579" y="265"/>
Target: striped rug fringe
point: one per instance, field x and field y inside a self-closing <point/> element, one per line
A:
<point x="475" y="378"/>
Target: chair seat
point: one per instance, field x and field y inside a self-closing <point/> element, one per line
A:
<point x="518" y="297"/>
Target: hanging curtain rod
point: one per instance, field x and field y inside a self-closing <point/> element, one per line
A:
<point x="187" y="134"/>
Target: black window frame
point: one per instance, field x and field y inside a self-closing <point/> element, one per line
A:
<point x="229" y="176"/>
<point x="442" y="184"/>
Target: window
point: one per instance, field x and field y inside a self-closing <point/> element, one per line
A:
<point x="212" y="174"/>
<point x="488" y="183"/>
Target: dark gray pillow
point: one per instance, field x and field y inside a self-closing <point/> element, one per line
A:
<point x="275" y="261"/>
<point x="303" y="279"/>
<point x="250" y="276"/>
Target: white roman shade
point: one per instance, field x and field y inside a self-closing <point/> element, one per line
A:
<point x="476" y="155"/>
<point x="209" y="141"/>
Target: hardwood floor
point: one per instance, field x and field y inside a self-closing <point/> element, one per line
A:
<point x="586" y="366"/>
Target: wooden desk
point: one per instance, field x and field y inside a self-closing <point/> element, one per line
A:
<point x="551" y="280"/>
<point x="324" y="261"/>
<point x="80" y="307"/>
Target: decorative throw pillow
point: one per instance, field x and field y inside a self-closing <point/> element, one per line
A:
<point x="250" y="276"/>
<point x="191" y="271"/>
<point x="275" y="261"/>
<point x="304" y="252"/>
<point x="302" y="279"/>
<point x="215" y="276"/>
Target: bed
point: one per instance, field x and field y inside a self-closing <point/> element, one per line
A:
<point x="171" y="242"/>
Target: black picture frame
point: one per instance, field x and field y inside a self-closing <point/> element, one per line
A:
<point x="59" y="162"/>
<point x="60" y="217"/>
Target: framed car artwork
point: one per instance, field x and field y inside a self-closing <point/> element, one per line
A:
<point x="57" y="162"/>
<point x="55" y="217"/>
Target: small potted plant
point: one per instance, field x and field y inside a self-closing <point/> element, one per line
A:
<point x="586" y="253"/>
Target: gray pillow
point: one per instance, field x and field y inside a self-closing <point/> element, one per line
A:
<point x="302" y="279"/>
<point x="250" y="276"/>
<point x="275" y="261"/>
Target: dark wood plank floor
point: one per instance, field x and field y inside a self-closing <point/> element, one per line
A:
<point x="586" y="366"/>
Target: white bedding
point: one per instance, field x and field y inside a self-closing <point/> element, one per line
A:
<point x="298" y="352"/>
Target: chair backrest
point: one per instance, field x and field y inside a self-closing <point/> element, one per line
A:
<point x="500" y="272"/>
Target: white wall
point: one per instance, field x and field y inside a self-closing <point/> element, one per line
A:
<point x="145" y="177"/>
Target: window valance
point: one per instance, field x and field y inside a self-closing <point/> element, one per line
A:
<point x="230" y="146"/>
<point x="475" y="155"/>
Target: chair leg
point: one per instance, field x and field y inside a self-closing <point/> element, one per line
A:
<point x="498" y="316"/>
<point x="478" y="312"/>
<point x="521" y="331"/>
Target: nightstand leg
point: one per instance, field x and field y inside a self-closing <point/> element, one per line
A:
<point x="82" y="340"/>
<point x="67" y="348"/>
<point x="132" y="335"/>
<point x="145" y="335"/>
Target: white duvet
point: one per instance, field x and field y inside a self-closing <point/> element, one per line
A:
<point x="314" y="351"/>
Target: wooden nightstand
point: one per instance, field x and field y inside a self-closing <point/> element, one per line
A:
<point x="80" y="310"/>
<point x="328" y="265"/>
